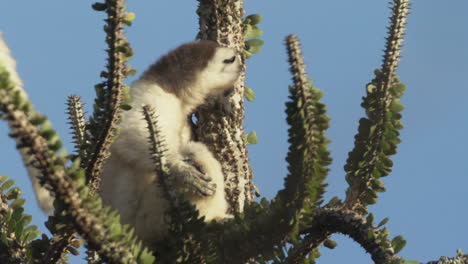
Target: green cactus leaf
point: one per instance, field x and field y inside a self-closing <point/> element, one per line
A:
<point x="252" y="32"/>
<point x="254" y="42"/>
<point x="398" y="243"/>
<point x="331" y="244"/>
<point x="99" y="6"/>
<point x="249" y="94"/>
<point x="252" y="138"/>
<point x="126" y="107"/>
<point x="254" y="19"/>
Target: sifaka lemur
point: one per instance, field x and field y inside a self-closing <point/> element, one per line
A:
<point x="187" y="77"/>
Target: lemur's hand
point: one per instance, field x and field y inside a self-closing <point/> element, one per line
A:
<point x="192" y="178"/>
<point x="224" y="103"/>
<point x="220" y="103"/>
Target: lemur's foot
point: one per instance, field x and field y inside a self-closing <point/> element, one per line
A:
<point x="193" y="179"/>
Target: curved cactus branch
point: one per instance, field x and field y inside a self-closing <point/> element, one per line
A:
<point x="350" y="223"/>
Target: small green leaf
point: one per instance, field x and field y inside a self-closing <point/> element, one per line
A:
<point x="129" y="17"/>
<point x="334" y="202"/>
<point x="31" y="233"/>
<point x="254" y="49"/>
<point x="377" y="185"/>
<point x="398" y="89"/>
<point x="412" y="262"/>
<point x="17" y="203"/>
<point x="125" y="49"/>
<point x="247" y="54"/>
<point x="396" y="107"/>
<point x="17" y="213"/>
<point x="4" y="239"/>
<point x="254" y="19"/>
<point x="125" y="107"/>
<point x="249" y="94"/>
<point x="252" y="32"/>
<point x="78" y="177"/>
<point x="146" y="257"/>
<point x="131" y="72"/>
<point x="383" y="222"/>
<point x="76" y="164"/>
<point x="99" y="6"/>
<point x="99" y="88"/>
<point x="3" y="178"/>
<point x="26" y="220"/>
<point x="370" y="218"/>
<point x="54" y="142"/>
<point x="254" y="42"/>
<point x="252" y="138"/>
<point x="27" y="107"/>
<point x="370" y="197"/>
<point x="371" y="87"/>
<point x="17" y="99"/>
<point x="256" y="191"/>
<point x="7" y="185"/>
<point x="14" y="193"/>
<point x="330" y="244"/>
<point x="104" y="74"/>
<point x="398" y="243"/>
<point x="38" y="119"/>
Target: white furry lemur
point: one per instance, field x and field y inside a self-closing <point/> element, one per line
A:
<point x="191" y="75"/>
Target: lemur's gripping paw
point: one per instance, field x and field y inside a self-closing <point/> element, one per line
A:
<point x="194" y="180"/>
<point x="221" y="103"/>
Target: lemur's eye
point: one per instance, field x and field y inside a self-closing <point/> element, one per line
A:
<point x="230" y="60"/>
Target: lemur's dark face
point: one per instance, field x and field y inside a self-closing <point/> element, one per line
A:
<point x="200" y="63"/>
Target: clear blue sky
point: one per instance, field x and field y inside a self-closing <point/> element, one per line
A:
<point x="59" y="47"/>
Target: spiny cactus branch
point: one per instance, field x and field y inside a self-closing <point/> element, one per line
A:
<point x="308" y="156"/>
<point x="157" y="149"/>
<point x="222" y="21"/>
<point x="104" y="133"/>
<point x="77" y="124"/>
<point x="185" y="225"/>
<point x="396" y="32"/>
<point x="58" y="247"/>
<point x="298" y="68"/>
<point x="89" y="225"/>
<point x="378" y="134"/>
